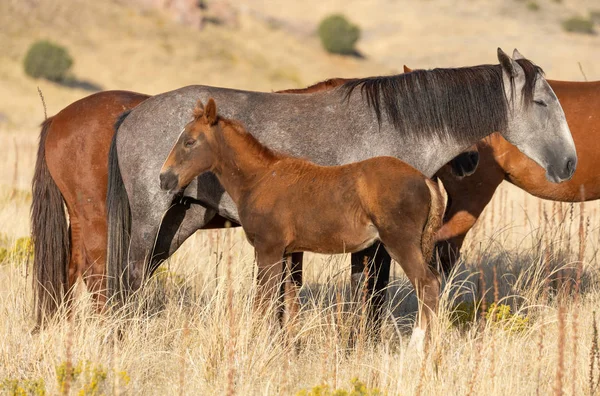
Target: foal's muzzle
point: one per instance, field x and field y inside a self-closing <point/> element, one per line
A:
<point x="169" y="181"/>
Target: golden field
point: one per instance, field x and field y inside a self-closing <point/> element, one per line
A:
<point x="193" y="330"/>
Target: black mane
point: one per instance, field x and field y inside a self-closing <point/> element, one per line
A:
<point x="462" y="101"/>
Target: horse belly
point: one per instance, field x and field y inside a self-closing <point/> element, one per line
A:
<point x="335" y="240"/>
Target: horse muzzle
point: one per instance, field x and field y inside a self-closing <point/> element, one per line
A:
<point x="169" y="181"/>
<point x="564" y="171"/>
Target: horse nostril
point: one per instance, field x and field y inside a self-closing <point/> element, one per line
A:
<point x="571" y="166"/>
<point x="167" y="181"/>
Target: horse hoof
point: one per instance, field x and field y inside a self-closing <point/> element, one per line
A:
<point x="417" y="341"/>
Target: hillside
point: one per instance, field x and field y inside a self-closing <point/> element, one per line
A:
<point x="450" y="33"/>
<point x="116" y="46"/>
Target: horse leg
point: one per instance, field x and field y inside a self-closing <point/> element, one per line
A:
<point x="76" y="258"/>
<point x="94" y="247"/>
<point x="467" y="198"/>
<point x="144" y="230"/>
<point x="370" y="278"/>
<point x="181" y="221"/>
<point x="169" y="233"/>
<point x="290" y="288"/>
<point x="406" y="250"/>
<point x="269" y="275"/>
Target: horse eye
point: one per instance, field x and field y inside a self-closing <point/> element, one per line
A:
<point x="540" y="102"/>
<point x="189" y="143"/>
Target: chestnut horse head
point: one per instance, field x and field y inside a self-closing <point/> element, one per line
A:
<point x="193" y="143"/>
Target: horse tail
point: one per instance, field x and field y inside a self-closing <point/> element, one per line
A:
<point x="434" y="219"/>
<point x="119" y="223"/>
<point x="50" y="236"/>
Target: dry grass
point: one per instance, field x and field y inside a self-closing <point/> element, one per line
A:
<point x="181" y="330"/>
<point x="192" y="330"/>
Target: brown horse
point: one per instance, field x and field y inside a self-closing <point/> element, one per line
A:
<point x="287" y="204"/>
<point x="71" y="170"/>
<point x="500" y="160"/>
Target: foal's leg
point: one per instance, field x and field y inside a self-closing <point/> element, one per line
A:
<point x="378" y="263"/>
<point x="406" y="250"/>
<point x="269" y="275"/>
<point x="291" y="285"/>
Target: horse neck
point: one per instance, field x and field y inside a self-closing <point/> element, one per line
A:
<point x="239" y="161"/>
<point x="426" y="154"/>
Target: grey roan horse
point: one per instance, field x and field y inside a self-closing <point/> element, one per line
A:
<point x="424" y="118"/>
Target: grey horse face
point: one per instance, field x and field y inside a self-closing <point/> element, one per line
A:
<point x="539" y="129"/>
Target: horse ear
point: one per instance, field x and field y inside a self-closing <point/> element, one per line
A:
<point x="509" y="66"/>
<point x="210" y="111"/>
<point x="517" y="55"/>
<point x="199" y="109"/>
<point x="407" y="69"/>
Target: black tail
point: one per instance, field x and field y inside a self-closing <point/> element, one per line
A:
<point x="50" y="235"/>
<point x="119" y="224"/>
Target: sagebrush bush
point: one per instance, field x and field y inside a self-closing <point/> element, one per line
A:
<point x="578" y="25"/>
<point x="47" y="60"/>
<point x="533" y="6"/>
<point x="358" y="389"/>
<point x="338" y="35"/>
<point x="21" y="251"/>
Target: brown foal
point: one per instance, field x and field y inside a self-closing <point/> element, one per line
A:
<point x="287" y="204"/>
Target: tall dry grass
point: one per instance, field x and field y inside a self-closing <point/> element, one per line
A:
<point x="193" y="330"/>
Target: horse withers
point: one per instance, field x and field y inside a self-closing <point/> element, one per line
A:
<point x="287" y="204"/>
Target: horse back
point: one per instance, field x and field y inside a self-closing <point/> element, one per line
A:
<point x="78" y="142"/>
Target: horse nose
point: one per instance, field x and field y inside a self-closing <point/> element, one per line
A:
<point x="168" y="181"/>
<point x="571" y="166"/>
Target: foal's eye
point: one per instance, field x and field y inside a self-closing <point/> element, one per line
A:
<point x="540" y="102"/>
<point x="189" y="143"/>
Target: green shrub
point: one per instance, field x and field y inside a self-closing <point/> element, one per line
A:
<point x="533" y="6"/>
<point x="23" y="387"/>
<point x="338" y="35"/>
<point x="499" y="315"/>
<point x="47" y="60"/>
<point x="578" y="25"/>
<point x="21" y="251"/>
<point x="358" y="389"/>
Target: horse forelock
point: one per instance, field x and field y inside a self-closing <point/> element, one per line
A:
<point x="462" y="102"/>
<point x="532" y="73"/>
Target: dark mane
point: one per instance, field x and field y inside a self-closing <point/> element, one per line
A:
<point x="251" y="142"/>
<point x="463" y="101"/>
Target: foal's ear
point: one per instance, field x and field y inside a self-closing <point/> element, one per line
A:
<point x="199" y="109"/>
<point x="210" y="111"/>
<point x="509" y="66"/>
<point x="407" y="69"/>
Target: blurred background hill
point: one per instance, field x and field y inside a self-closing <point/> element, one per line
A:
<point x="153" y="46"/>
